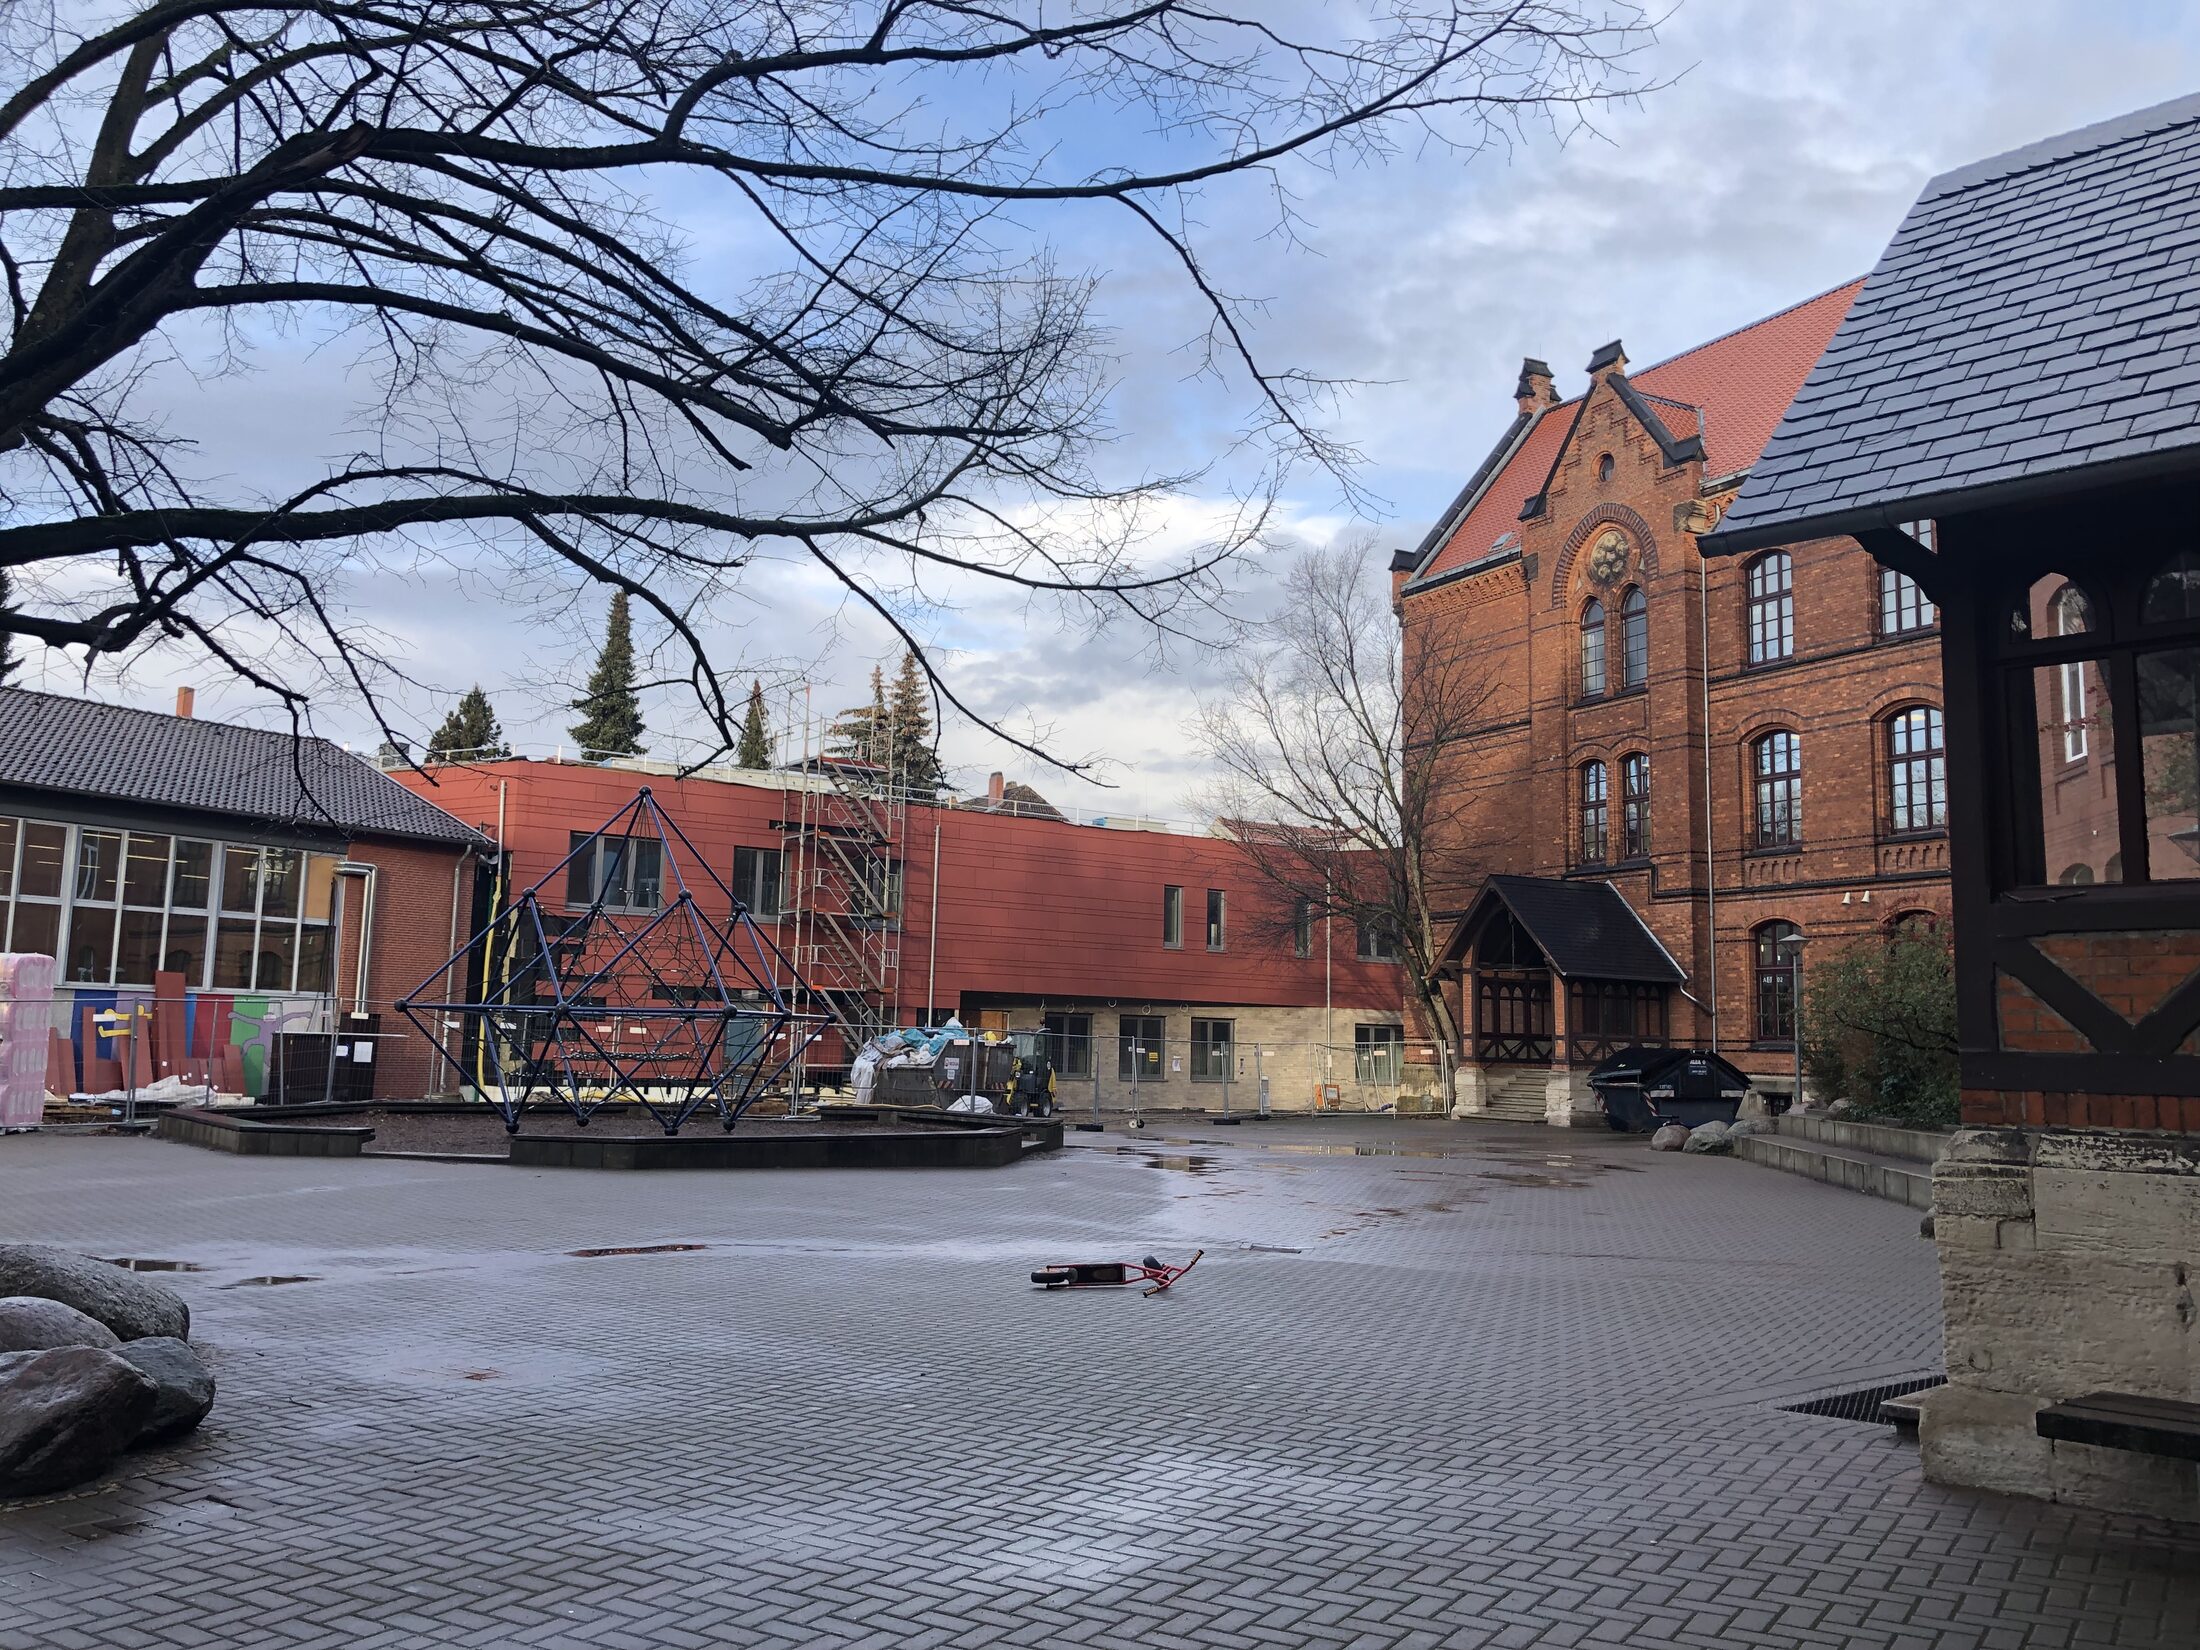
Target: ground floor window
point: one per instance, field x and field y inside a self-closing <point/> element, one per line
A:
<point x="1778" y="948"/>
<point x="1139" y="1042"/>
<point x="1212" y="1050"/>
<point x="1605" y="1016"/>
<point x="1377" y="1053"/>
<point x="1069" y="1043"/>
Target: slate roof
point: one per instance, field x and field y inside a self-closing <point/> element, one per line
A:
<point x="76" y="748"/>
<point x="2033" y="326"/>
<point x="1586" y="929"/>
<point x="1725" y="396"/>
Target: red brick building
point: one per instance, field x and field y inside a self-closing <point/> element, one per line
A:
<point x="1750" y="753"/>
<point x="1154" y="958"/>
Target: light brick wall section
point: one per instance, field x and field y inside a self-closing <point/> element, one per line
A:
<point x="2067" y="1266"/>
<point x="413" y="928"/>
<point x="1291" y="1057"/>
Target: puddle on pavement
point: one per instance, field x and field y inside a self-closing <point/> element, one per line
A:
<point x="137" y="1263"/>
<point x="1162" y="1160"/>
<point x="270" y="1280"/>
<point x="639" y="1249"/>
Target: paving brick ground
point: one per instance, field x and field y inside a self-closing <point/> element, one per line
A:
<point x="1523" y="1394"/>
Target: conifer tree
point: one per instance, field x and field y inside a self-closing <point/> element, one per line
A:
<point x="470" y="732"/>
<point x="611" y="710"/>
<point x="910" y="730"/>
<point x="755" y="749"/>
<point x="859" y="732"/>
<point x="7" y="642"/>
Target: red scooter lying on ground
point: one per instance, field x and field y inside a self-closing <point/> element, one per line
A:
<point x="1109" y="1274"/>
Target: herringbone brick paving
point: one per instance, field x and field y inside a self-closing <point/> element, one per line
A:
<point x="1522" y="1395"/>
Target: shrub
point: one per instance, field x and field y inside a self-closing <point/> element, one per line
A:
<point x="1879" y="1027"/>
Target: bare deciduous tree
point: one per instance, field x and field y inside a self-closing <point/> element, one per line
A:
<point x="1332" y="751"/>
<point x="883" y="368"/>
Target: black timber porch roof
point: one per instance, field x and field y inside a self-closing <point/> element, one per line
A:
<point x="1586" y="929"/>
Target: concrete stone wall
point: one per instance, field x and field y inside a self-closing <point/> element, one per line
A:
<point x="1292" y="1055"/>
<point x="2067" y="1267"/>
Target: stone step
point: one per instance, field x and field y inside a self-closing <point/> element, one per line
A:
<point x="1877" y="1174"/>
<point x="1874" y="1139"/>
<point x="1517" y="1097"/>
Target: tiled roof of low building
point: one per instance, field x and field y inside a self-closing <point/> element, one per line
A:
<point x="79" y="748"/>
<point x="2033" y="326"/>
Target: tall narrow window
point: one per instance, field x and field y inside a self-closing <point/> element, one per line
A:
<point x="1634" y="630"/>
<point x="1634" y="806"/>
<point x="1595" y="805"/>
<point x="1139" y="1043"/>
<point x="1917" y="771"/>
<point x="1377" y="941"/>
<point x="1172" y="915"/>
<point x="2073" y="616"/>
<point x="1592" y="649"/>
<point x="756" y="873"/>
<point x="1215" y="934"/>
<point x="1302" y="928"/>
<point x="1771" y="585"/>
<point x="1903" y="608"/>
<point x="1213" y="1048"/>
<point x="1777" y="761"/>
<point x="1779" y="954"/>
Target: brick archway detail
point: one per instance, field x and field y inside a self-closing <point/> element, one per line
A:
<point x="1604" y="515"/>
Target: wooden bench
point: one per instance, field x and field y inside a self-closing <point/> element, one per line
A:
<point x="2124" y="1420"/>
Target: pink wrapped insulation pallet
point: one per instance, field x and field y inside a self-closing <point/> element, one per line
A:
<point x="26" y="1027"/>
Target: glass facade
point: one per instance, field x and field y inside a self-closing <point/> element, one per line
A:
<point x="117" y="907"/>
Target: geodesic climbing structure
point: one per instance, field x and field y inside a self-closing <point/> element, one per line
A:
<point x="616" y="978"/>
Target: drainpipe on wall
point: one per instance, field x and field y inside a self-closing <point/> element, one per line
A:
<point x="1710" y="855"/>
<point x="932" y="941"/>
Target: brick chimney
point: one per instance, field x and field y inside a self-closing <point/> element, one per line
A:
<point x="185" y="699"/>
<point x="995" y="788"/>
<point x="1612" y="358"/>
<point x="1535" y="390"/>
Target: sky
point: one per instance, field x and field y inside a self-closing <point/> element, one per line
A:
<point x="1774" y="155"/>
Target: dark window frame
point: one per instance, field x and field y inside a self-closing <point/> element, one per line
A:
<point x="1634" y="635"/>
<point x="1634" y="806"/>
<point x="1593" y="799"/>
<point x="1154" y="1047"/>
<point x="1776" y="959"/>
<point x="1914" y="747"/>
<point x="1172" y="916"/>
<point x="1204" y="1048"/>
<point x="1594" y="656"/>
<point x="1768" y="584"/>
<point x="1776" y="792"/>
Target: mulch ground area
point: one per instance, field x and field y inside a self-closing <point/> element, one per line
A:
<point x="483" y="1133"/>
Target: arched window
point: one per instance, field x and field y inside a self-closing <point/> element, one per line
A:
<point x="1917" y="771"/>
<point x="1634" y="631"/>
<point x="1592" y="649"/>
<point x="1776" y="765"/>
<point x="1604" y="467"/>
<point x="1595" y="813"/>
<point x="1913" y="925"/>
<point x="1634" y="806"/>
<point x="1771" y="585"/>
<point x="1779" y="953"/>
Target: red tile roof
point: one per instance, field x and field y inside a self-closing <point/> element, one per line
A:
<point x="1740" y="385"/>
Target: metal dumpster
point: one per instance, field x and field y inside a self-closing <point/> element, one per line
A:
<point x="947" y="1079"/>
<point x="1644" y="1087"/>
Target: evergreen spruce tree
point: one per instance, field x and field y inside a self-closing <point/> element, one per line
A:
<point x="470" y="732"/>
<point x="910" y="729"/>
<point x="755" y="748"/>
<point x="859" y="732"/>
<point x="7" y="642"/>
<point x="611" y="711"/>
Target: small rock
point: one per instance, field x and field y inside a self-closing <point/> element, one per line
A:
<point x="31" y="1323"/>
<point x="1706" y="1137"/>
<point x="1743" y="1127"/>
<point x="133" y="1307"/>
<point x="1671" y="1137"/>
<point x="1752" y="1109"/>
<point x="65" y="1414"/>
<point x="186" y="1387"/>
<point x="1925" y="1226"/>
<point x="1841" y="1108"/>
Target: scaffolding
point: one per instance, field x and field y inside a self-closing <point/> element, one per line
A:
<point x="845" y="821"/>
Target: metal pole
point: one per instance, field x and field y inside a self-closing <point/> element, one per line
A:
<point x="1138" y="1056"/>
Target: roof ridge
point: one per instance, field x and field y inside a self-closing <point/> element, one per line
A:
<point x="1747" y="326"/>
<point x="2062" y="146"/>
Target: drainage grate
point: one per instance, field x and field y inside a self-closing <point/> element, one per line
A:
<point x="1863" y="1404"/>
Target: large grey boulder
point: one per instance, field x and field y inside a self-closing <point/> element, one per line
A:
<point x="133" y="1307"/>
<point x="1671" y="1137"/>
<point x="1743" y="1127"/>
<point x="1706" y="1137"/>
<point x="65" y="1414"/>
<point x="31" y="1323"/>
<point x="185" y="1387"/>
